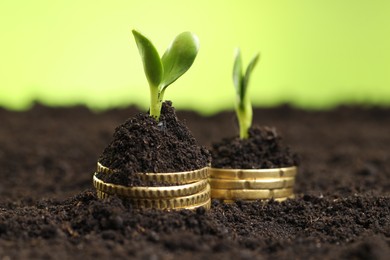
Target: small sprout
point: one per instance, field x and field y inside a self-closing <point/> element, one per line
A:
<point x="161" y="72"/>
<point x="243" y="104"/>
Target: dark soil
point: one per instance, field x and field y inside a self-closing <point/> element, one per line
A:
<point x="48" y="209"/>
<point x="262" y="150"/>
<point x="143" y="144"/>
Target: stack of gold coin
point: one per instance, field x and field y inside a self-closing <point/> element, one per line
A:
<point x="229" y="185"/>
<point x="181" y="190"/>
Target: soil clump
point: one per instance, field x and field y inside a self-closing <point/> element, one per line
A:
<point x="262" y="150"/>
<point x="142" y="144"/>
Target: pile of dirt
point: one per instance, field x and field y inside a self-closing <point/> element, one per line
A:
<point x="263" y="149"/>
<point x="48" y="209"/>
<point x="142" y="144"/>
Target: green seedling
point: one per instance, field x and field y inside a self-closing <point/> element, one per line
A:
<point x="243" y="104"/>
<point x="162" y="72"/>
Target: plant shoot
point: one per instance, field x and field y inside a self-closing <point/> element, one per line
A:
<point x="161" y="72"/>
<point x="243" y="104"/>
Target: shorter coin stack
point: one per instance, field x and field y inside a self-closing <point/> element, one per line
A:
<point x="229" y="185"/>
<point x="181" y="190"/>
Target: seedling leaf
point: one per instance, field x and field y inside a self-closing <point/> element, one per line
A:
<point x="151" y="60"/>
<point x="179" y="57"/>
<point x="248" y="72"/>
<point x="237" y="74"/>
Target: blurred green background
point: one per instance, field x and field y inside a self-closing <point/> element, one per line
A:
<point x="314" y="54"/>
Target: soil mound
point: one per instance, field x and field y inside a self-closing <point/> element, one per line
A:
<point x="262" y="150"/>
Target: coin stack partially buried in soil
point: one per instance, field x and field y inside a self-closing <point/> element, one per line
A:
<point x="257" y="168"/>
<point x="154" y="164"/>
<point x="261" y="184"/>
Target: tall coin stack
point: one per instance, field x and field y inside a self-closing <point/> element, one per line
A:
<point x="181" y="190"/>
<point x="229" y="185"/>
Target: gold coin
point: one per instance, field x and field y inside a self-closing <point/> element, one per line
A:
<point x="150" y="192"/>
<point x="177" y="177"/>
<point x="168" y="177"/>
<point x="245" y="194"/>
<point x="252" y="174"/>
<point x="103" y="169"/>
<point x="174" y="203"/>
<point x="276" y="183"/>
<point x="102" y="195"/>
<point x="265" y="200"/>
<point x="206" y="205"/>
<point x="200" y="199"/>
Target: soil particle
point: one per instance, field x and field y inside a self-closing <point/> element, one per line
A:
<point x="262" y="150"/>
